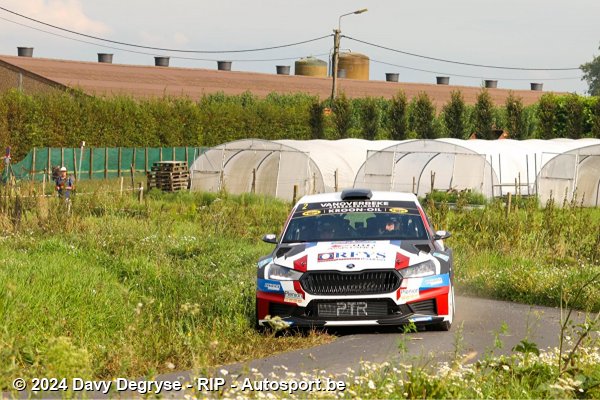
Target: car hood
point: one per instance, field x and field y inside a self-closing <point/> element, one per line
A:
<point x="349" y="255"/>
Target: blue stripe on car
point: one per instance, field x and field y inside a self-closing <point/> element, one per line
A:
<point x="268" y="285"/>
<point x="435" y="281"/>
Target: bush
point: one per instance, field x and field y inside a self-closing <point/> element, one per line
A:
<point x="422" y="116"/>
<point x="342" y="116"/>
<point x="515" y="122"/>
<point x="573" y="107"/>
<point x="316" y="120"/>
<point x="397" y="116"/>
<point x="484" y="116"/>
<point x="454" y="116"/>
<point x="370" y="118"/>
<point x="546" y="114"/>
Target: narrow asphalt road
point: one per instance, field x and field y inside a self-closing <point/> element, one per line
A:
<point x="478" y="323"/>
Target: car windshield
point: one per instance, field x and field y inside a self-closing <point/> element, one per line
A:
<point x="346" y="221"/>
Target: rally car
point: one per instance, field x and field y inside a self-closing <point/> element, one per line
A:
<point x="357" y="258"/>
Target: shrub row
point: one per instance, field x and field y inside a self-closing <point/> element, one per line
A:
<point x="65" y="119"/>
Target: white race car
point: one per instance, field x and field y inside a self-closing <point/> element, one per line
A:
<point x="357" y="258"/>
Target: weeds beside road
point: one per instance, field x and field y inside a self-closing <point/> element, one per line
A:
<point x="122" y="288"/>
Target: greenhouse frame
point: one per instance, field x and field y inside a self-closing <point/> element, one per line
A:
<point x="288" y="168"/>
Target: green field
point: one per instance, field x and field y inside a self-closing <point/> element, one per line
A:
<point x="123" y="288"/>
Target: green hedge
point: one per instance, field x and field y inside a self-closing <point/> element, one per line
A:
<point x="65" y="119"/>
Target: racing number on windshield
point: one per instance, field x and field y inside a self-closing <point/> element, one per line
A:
<point x="305" y="206"/>
<point x="352" y="308"/>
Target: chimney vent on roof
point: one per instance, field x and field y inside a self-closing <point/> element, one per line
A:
<point x="536" y="86"/>
<point x="224" y="65"/>
<point x="491" y="84"/>
<point x="105" y="58"/>
<point x="161" y="61"/>
<point x="25" y="51"/>
<point x="442" y="80"/>
<point x="282" y="69"/>
<point x="392" y="76"/>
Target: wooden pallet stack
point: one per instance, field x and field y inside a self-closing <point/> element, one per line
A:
<point x="169" y="176"/>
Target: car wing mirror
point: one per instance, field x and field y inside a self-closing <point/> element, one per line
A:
<point x="270" y="238"/>
<point x="440" y="235"/>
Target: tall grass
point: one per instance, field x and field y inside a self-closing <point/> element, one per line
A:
<point x="117" y="287"/>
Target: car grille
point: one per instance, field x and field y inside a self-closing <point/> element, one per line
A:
<point x="353" y="309"/>
<point x="426" y="307"/>
<point x="333" y="283"/>
<point x="282" y="310"/>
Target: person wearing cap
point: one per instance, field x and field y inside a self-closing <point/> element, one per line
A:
<point x="64" y="184"/>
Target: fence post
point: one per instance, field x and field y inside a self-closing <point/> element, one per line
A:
<point x="160" y="154"/>
<point x="120" y="153"/>
<point x="295" y="196"/>
<point x="106" y="163"/>
<point x="44" y="184"/>
<point x="414" y="183"/>
<point x="32" y="171"/>
<point x="121" y="184"/>
<point x="146" y="160"/>
<point x="335" y="180"/>
<point x="253" y="187"/>
<point x="75" y="164"/>
<point x="187" y="157"/>
<point x="508" y="205"/>
<point x="432" y="181"/>
<point x="49" y="160"/>
<point x="62" y="156"/>
<point x="140" y="191"/>
<point x="91" y="171"/>
<point x="132" y="183"/>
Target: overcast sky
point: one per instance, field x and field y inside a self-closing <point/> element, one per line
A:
<point x="520" y="33"/>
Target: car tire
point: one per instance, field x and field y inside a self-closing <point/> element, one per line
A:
<point x="446" y="325"/>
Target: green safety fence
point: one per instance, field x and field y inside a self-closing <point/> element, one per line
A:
<point x="99" y="162"/>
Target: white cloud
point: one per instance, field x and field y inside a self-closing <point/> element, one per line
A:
<point x="64" y="13"/>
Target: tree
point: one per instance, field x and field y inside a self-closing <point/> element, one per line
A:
<point x="422" y="116"/>
<point x="370" y="117"/>
<point x="596" y="118"/>
<point x="342" y="116"/>
<point x="398" y="120"/>
<point x="591" y="74"/>
<point x="484" y="116"/>
<point x="575" y="118"/>
<point x="514" y="117"/>
<point x="454" y="116"/>
<point x="546" y="112"/>
<point x="316" y="119"/>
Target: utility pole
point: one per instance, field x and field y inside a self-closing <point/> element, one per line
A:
<point x="334" y="62"/>
<point x="336" y="50"/>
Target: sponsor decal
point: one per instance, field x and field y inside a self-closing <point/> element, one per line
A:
<point x="435" y="281"/>
<point x="398" y="210"/>
<point x="420" y="319"/>
<point x="350" y="255"/>
<point x="409" y="294"/>
<point x="293" y="297"/>
<point x="311" y="213"/>
<point x="367" y="244"/>
<point x="267" y="285"/>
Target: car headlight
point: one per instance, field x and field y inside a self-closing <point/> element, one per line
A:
<point x="280" y="273"/>
<point x="419" y="270"/>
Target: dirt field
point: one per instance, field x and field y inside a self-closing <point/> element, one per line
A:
<point x="149" y="81"/>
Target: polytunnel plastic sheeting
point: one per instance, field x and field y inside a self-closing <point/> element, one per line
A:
<point x="410" y="166"/>
<point x="338" y="160"/>
<point x="572" y="174"/>
<point x="518" y="162"/>
<point x="258" y="166"/>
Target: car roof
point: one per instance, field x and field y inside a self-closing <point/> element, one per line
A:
<point x="376" y="196"/>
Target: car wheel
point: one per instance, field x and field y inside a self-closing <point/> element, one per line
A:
<point x="446" y="325"/>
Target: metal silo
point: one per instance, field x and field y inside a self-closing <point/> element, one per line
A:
<point x="310" y="66"/>
<point x="355" y="65"/>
